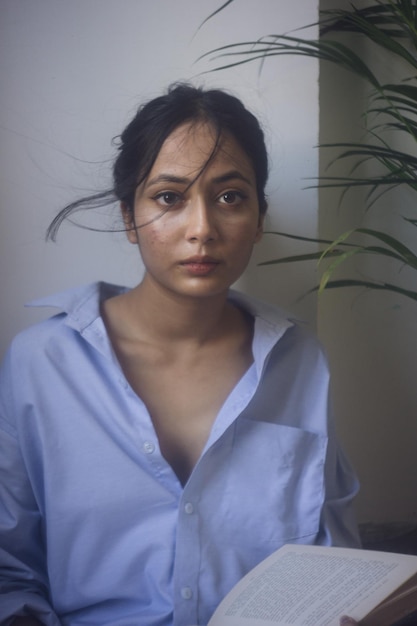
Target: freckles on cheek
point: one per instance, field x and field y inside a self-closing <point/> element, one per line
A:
<point x="157" y="238"/>
<point x="154" y="240"/>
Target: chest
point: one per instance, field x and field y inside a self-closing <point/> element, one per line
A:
<point x="183" y="397"/>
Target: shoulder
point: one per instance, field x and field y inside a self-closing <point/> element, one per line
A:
<point x="52" y="357"/>
<point x="29" y="344"/>
<point x="76" y="310"/>
<point x="278" y="333"/>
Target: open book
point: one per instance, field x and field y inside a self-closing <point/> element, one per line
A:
<point x="314" y="586"/>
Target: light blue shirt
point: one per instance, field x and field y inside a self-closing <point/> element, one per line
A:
<point x="95" y="527"/>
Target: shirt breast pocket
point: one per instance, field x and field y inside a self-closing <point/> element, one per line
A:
<point x="274" y="489"/>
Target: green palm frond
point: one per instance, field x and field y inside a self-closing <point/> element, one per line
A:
<point x="275" y="45"/>
<point x="385" y="23"/>
<point x="341" y="250"/>
<point x="368" y="284"/>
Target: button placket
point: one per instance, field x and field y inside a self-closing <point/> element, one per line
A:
<point x="148" y="447"/>
<point x="189" y="508"/>
<point x="186" y="593"/>
<point x="187" y="558"/>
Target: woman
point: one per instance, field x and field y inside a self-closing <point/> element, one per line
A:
<point x="158" y="442"/>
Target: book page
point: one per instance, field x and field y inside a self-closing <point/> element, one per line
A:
<point x="309" y="585"/>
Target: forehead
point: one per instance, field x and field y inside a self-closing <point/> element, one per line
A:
<point x="193" y="147"/>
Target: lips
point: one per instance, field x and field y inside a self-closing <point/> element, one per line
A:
<point x="200" y="265"/>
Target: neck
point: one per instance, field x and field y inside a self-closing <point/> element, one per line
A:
<point x="164" y="315"/>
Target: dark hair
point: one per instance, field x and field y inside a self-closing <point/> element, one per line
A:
<point x="143" y="137"/>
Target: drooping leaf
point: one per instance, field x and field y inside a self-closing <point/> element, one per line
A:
<point x="406" y="254"/>
<point x="341" y="258"/>
<point x="343" y="283"/>
<point x="223" y="6"/>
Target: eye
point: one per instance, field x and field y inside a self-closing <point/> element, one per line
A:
<point x="231" y="197"/>
<point x="167" y="198"/>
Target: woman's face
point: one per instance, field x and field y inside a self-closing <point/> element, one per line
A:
<point x="196" y="221"/>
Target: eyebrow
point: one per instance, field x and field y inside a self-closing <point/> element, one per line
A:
<point x="182" y="180"/>
<point x="231" y="176"/>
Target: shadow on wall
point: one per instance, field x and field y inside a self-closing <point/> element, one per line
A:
<point x="394" y="537"/>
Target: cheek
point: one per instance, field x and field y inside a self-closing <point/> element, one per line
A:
<point x="154" y="242"/>
<point x="246" y="235"/>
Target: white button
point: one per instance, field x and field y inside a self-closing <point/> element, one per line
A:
<point x="148" y="447"/>
<point x="189" y="508"/>
<point x="186" y="593"/>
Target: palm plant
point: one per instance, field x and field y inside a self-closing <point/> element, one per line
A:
<point x="390" y="120"/>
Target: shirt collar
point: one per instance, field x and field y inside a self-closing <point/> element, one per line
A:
<point x="81" y="304"/>
<point x="82" y="307"/>
<point x="270" y="325"/>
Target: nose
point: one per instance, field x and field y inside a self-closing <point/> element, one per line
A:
<point x="201" y="226"/>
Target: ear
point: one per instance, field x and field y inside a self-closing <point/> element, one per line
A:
<point x="260" y="229"/>
<point x="129" y="222"/>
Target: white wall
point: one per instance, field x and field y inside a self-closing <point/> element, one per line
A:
<point x="72" y="73"/>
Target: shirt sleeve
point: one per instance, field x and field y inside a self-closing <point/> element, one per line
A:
<point x="23" y="577"/>
<point x="338" y="525"/>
